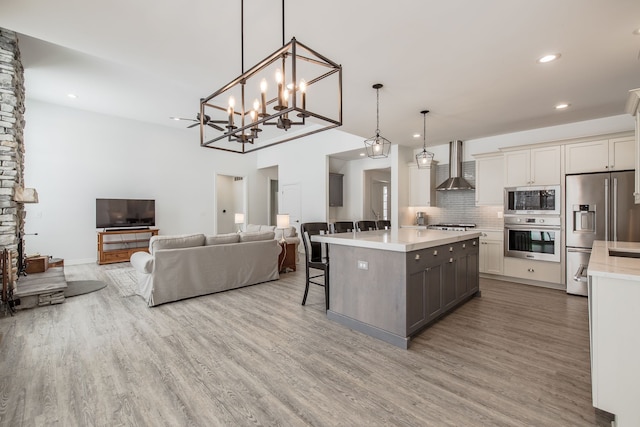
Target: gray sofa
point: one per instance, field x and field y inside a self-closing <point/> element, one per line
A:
<point x="179" y="267"/>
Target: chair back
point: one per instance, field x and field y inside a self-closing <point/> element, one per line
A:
<point x="383" y="224"/>
<point x="343" y="226"/>
<point x="366" y="225"/>
<point x="313" y="250"/>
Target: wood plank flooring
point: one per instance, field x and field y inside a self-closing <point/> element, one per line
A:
<point x="517" y="356"/>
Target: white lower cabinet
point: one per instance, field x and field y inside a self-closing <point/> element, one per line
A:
<point x="492" y="252"/>
<point x="542" y="271"/>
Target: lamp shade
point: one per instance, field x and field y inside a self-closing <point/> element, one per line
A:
<point x="239" y="218"/>
<point x="282" y="221"/>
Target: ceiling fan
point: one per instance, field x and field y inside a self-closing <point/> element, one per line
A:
<point x="207" y="121"/>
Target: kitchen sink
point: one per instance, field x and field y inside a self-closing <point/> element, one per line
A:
<point x="624" y="254"/>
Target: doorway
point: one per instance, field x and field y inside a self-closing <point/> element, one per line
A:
<point x="377" y="194"/>
<point x="231" y="198"/>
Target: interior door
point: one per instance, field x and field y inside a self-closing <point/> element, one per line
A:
<point x="290" y="204"/>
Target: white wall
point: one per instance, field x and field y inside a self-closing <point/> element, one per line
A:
<point x="73" y="157"/>
<point x="304" y="162"/>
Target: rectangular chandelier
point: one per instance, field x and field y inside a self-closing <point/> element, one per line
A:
<point x="292" y="93"/>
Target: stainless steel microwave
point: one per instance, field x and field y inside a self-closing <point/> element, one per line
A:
<point x="538" y="200"/>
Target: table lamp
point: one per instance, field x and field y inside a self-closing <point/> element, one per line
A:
<point x="239" y="220"/>
<point x="282" y="222"/>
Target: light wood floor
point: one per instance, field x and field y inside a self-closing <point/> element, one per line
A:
<point x="517" y="356"/>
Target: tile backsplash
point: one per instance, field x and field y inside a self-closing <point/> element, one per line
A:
<point x="460" y="206"/>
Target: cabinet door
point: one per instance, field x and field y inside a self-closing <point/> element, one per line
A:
<point x="335" y="189"/>
<point x="545" y="166"/>
<point x="517" y="166"/>
<point x="449" y="270"/>
<point x="472" y="272"/>
<point x="416" y="297"/>
<point x="421" y="182"/>
<point x="493" y="253"/>
<point x="490" y="181"/>
<point x="622" y="154"/>
<point x="589" y="156"/>
<point x="433" y="285"/>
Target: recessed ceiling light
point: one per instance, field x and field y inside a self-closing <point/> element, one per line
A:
<point x="562" y="106"/>
<point x="72" y="95"/>
<point x="416" y="135"/>
<point x="361" y="154"/>
<point x="549" y="58"/>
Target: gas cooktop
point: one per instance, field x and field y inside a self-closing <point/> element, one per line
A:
<point x="452" y="227"/>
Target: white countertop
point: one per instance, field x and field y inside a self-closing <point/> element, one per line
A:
<point x="397" y="240"/>
<point x="604" y="265"/>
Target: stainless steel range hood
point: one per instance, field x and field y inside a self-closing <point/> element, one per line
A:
<point x="455" y="180"/>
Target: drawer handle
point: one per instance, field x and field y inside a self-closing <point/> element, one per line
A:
<point x="464" y="245"/>
<point x="474" y="243"/>
<point x="435" y="252"/>
<point x="450" y="248"/>
<point x="450" y="260"/>
<point x="417" y="257"/>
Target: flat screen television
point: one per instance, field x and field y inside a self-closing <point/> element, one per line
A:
<point x="125" y="213"/>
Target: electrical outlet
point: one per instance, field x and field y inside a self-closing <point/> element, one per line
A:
<point x="363" y="265"/>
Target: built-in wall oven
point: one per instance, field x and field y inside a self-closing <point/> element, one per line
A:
<point x="532" y="237"/>
<point x="533" y="200"/>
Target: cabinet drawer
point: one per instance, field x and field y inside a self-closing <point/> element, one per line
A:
<point x="533" y="270"/>
<point x="424" y="258"/>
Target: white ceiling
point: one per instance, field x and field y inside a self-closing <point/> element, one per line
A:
<point x="472" y="63"/>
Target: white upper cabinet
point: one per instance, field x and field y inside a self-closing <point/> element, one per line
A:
<point x="489" y="179"/>
<point x="534" y="166"/>
<point x="422" y="185"/>
<point x="600" y="156"/>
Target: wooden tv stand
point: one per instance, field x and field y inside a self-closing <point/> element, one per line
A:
<point x="119" y="245"/>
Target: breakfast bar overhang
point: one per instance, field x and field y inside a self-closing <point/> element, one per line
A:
<point x="391" y="284"/>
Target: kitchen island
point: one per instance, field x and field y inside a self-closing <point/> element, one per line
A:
<point x="391" y="284"/>
<point x="614" y="329"/>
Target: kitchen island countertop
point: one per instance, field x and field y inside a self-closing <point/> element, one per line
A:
<point x="397" y="240"/>
<point x="604" y="265"/>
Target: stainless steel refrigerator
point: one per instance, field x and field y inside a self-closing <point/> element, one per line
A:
<point x="599" y="206"/>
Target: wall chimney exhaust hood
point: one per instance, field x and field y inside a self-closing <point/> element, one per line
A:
<point x="455" y="180"/>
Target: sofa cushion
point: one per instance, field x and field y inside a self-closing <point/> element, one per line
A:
<point x="222" y="239"/>
<point x="253" y="236"/>
<point x="258" y="227"/>
<point x="175" y="242"/>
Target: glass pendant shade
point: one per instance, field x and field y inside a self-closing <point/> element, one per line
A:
<point x="424" y="158"/>
<point x="377" y="146"/>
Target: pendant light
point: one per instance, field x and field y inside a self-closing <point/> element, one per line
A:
<point x="424" y="158"/>
<point x="377" y="146"/>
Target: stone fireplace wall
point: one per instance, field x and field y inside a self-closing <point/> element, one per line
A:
<point x="11" y="142"/>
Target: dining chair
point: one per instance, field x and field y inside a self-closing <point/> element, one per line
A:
<point x="366" y="225"/>
<point x="343" y="226"/>
<point x="383" y="224"/>
<point x="316" y="257"/>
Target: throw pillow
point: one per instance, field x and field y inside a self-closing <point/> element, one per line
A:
<point x="252" y="227"/>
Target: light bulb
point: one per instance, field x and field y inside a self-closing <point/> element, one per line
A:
<point x="278" y="76"/>
<point x="424" y="160"/>
<point x="232" y="102"/>
<point x="376" y="147"/>
<point x="252" y="113"/>
<point x="256" y="104"/>
<point x="303" y="86"/>
<point x="263" y="85"/>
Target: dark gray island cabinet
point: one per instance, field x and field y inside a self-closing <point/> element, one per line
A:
<point x="392" y="294"/>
